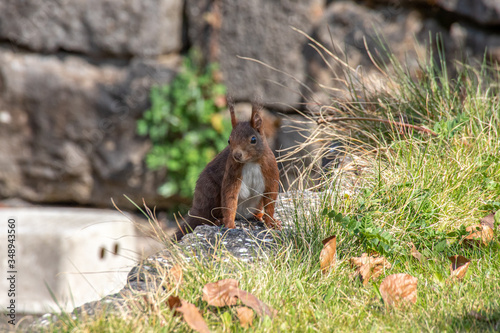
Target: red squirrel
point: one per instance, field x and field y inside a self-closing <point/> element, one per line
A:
<point x="239" y="182"/>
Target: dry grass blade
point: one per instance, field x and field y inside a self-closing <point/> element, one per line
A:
<point x="245" y="315"/>
<point x="459" y="266"/>
<point x="193" y="317"/>
<point x="327" y="255"/>
<point x="478" y="235"/>
<point x="385" y="121"/>
<point x="259" y="307"/>
<point x="368" y="267"/>
<point x="399" y="289"/>
<point x="221" y="293"/>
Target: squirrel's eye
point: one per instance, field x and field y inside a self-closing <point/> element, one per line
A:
<point x="253" y="140"/>
<point x="228" y="141"/>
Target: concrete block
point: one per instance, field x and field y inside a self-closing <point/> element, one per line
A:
<point x="79" y="255"/>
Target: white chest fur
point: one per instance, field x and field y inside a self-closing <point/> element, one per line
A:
<point x="252" y="188"/>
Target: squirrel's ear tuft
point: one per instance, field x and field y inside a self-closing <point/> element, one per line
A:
<point x="256" y="119"/>
<point x="231" y="111"/>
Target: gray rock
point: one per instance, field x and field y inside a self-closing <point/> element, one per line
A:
<point x="68" y="129"/>
<point x="261" y="30"/>
<point x="348" y="25"/>
<point x="484" y="12"/>
<point x="296" y="155"/>
<point x="116" y="27"/>
<point x="470" y="41"/>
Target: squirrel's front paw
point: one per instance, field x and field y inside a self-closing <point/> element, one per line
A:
<point x="259" y="216"/>
<point x="229" y="223"/>
<point x="272" y="223"/>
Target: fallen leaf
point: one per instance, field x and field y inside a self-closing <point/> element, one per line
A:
<point x="173" y="277"/>
<point x="327" y="255"/>
<point x="477" y="315"/>
<point x="245" y="315"/>
<point x="414" y="252"/>
<point x="369" y="267"/>
<point x="459" y="266"/>
<point x="251" y="301"/>
<point x="227" y="293"/>
<point x="176" y="273"/>
<point x="192" y="317"/>
<point x="174" y="302"/>
<point x="478" y="235"/>
<point x="399" y="289"/>
<point x="221" y="293"/>
<point x="489" y="220"/>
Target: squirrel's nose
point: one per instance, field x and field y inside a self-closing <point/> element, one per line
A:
<point x="237" y="156"/>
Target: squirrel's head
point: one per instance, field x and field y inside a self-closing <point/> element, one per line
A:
<point x="247" y="141"/>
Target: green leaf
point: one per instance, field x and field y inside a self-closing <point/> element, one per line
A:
<point x="440" y="246"/>
<point x="377" y="291"/>
<point x="226" y="318"/>
<point x="300" y="287"/>
<point x="329" y="293"/>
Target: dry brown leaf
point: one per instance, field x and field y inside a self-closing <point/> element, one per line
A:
<point x="245" y="315"/>
<point x="174" y="302"/>
<point x="173" y="277"/>
<point x="459" y="266"/>
<point x="221" y="293"/>
<point x="478" y="235"/>
<point x="484" y="316"/>
<point x="399" y="289"/>
<point x="192" y="317"/>
<point x="369" y="267"/>
<point x="327" y="255"/>
<point x="175" y="274"/>
<point x="414" y="252"/>
<point x="227" y="293"/>
<point x="251" y="301"/>
<point x="489" y="220"/>
<point x="476" y="315"/>
<point x="190" y="313"/>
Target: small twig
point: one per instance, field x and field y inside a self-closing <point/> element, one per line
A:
<point x="385" y="121"/>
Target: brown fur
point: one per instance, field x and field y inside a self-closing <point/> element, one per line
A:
<point x="216" y="193"/>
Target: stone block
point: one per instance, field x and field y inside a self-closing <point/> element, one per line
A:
<point x="226" y="30"/>
<point x="77" y="254"/>
<point x="358" y="35"/>
<point x="68" y="129"/>
<point x="483" y="12"/>
<point x="121" y="28"/>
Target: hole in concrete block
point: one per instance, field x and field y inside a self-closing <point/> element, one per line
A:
<point x="116" y="248"/>
<point x="102" y="252"/>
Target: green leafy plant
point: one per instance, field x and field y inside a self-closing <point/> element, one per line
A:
<point x="449" y="127"/>
<point x="185" y="125"/>
<point x="371" y="237"/>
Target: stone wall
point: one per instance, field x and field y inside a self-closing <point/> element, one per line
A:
<point x="75" y="75"/>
